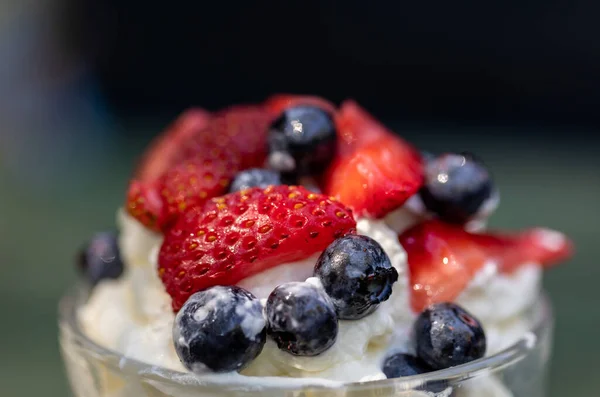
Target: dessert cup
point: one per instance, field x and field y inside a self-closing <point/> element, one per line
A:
<point x="95" y="371"/>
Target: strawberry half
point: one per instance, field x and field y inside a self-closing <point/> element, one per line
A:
<point x="194" y="181"/>
<point x="243" y="129"/>
<point x="144" y="203"/>
<point x="240" y="234"/>
<point x="278" y="103"/>
<point x="444" y="258"/>
<point x="377" y="178"/>
<point x="195" y="160"/>
<point x="165" y="150"/>
<point x="356" y="128"/>
<point x="188" y="184"/>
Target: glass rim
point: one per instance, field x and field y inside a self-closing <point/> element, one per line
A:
<point x="68" y="323"/>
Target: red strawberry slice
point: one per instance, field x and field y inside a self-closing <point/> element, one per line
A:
<point x="443" y="258"/>
<point x="240" y="234"/>
<point x="195" y="160"/>
<point x="538" y="245"/>
<point x="278" y="103"/>
<point x="165" y="150"/>
<point x="356" y="128"/>
<point x="243" y="129"/>
<point x="144" y="203"/>
<point x="194" y="181"/>
<point x="188" y="184"/>
<point x="377" y="178"/>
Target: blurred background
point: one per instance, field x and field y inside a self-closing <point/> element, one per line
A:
<point x="85" y="84"/>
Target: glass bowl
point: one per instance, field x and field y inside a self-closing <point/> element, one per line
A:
<point x="95" y="371"/>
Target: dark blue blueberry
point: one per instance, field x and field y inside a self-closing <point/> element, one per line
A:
<point x="456" y="187"/>
<point x="302" y="141"/>
<point x="401" y="364"/>
<point x="357" y="274"/>
<point x="301" y="319"/>
<point x="446" y="336"/>
<point x="221" y="329"/>
<point x="100" y="259"/>
<point x="254" y="177"/>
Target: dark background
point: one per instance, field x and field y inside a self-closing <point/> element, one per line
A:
<point x="522" y="60"/>
<point x="85" y="84"/>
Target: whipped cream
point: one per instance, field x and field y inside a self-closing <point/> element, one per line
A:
<point x="133" y="315"/>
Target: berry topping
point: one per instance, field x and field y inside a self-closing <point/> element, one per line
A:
<point x="221" y="329"/>
<point x="190" y="183"/>
<point x="377" y="178"/>
<point x="280" y="102"/>
<point x="357" y="128"/>
<point x="240" y="234"/>
<point x="254" y="177"/>
<point x="301" y="319"/>
<point x="213" y="148"/>
<point x="194" y="181"/>
<point x="302" y="140"/>
<point x="356" y="274"/>
<point x="100" y="259"/>
<point x="446" y="335"/>
<point x="443" y="258"/>
<point x="240" y="129"/>
<point x="401" y="364"/>
<point x="165" y="150"/>
<point x="145" y="203"/>
<point x="456" y="187"/>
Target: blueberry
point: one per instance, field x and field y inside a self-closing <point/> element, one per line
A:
<point x="302" y="141"/>
<point x="446" y="335"/>
<point x="357" y="274"/>
<point x="301" y="319"/>
<point x="100" y="259"/>
<point x="254" y="177"/>
<point x="221" y="328"/>
<point x="456" y="187"/>
<point x="402" y="364"/>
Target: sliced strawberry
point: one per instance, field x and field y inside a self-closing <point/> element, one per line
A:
<point x="190" y="183"/>
<point x="144" y="203"/>
<point x="240" y="234"/>
<point x="242" y="129"/>
<point x="538" y="245"/>
<point x="443" y="258"/>
<point x="165" y="150"/>
<point x="195" y="160"/>
<point x="278" y="103"/>
<point x="194" y="181"/>
<point x="377" y="178"/>
<point x="356" y="128"/>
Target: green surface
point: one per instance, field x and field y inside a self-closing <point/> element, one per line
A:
<point x="553" y="184"/>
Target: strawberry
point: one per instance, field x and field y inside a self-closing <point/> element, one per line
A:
<point x="377" y="178"/>
<point x="243" y="129"/>
<point x="144" y="203"/>
<point x="278" y="103"/>
<point x="188" y="184"/>
<point x="443" y="258"/>
<point x="165" y="150"/>
<point x="240" y="234"/>
<point x="195" y="160"/>
<point x="537" y="245"/>
<point x="356" y="128"/>
<point x="194" y="181"/>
